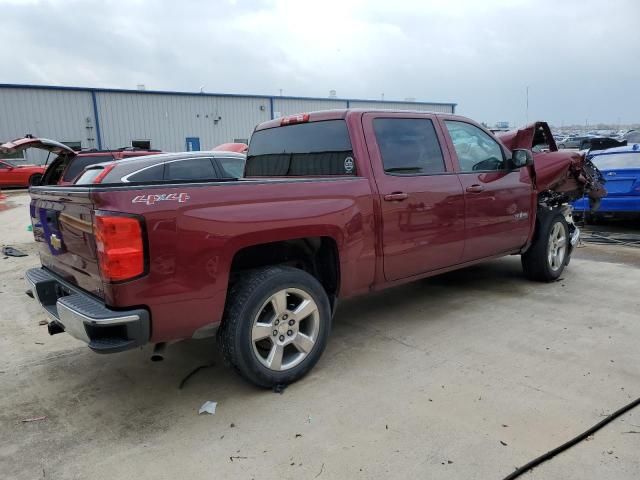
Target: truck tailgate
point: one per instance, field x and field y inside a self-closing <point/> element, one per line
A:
<point x="63" y="229"/>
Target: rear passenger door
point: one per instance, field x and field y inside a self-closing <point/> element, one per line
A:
<point x="421" y="198"/>
<point x="498" y="199"/>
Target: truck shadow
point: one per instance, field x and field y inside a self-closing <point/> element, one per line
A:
<point x="138" y="399"/>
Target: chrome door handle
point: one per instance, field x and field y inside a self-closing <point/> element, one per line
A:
<point x="396" y="197"/>
<point x="475" y="188"/>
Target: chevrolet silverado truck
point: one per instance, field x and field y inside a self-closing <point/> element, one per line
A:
<point x="334" y="204"/>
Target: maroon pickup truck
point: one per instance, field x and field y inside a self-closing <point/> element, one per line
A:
<point x="333" y="204"/>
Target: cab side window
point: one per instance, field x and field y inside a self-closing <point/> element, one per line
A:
<point x="476" y="150"/>
<point x="409" y="146"/>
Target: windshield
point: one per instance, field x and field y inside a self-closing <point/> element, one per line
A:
<point x="316" y="148"/>
<point x="617" y="160"/>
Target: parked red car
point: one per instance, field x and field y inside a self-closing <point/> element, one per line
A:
<point x="14" y="175"/>
<point x="334" y="204"/>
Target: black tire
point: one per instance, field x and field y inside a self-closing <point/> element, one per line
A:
<point x="35" y="179"/>
<point x="246" y="301"/>
<point x="535" y="261"/>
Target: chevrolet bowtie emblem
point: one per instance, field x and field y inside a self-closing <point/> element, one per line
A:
<point x="55" y="241"/>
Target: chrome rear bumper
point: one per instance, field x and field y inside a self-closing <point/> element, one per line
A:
<point x="84" y="317"/>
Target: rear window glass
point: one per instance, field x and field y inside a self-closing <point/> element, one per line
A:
<point x="232" y="167"/>
<point x="193" y="169"/>
<point x="79" y="163"/>
<point x="316" y="148"/>
<point x="88" y="176"/>
<point x="409" y="146"/>
<point x="617" y="160"/>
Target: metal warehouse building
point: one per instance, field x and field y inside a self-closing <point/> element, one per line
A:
<point x="170" y="121"/>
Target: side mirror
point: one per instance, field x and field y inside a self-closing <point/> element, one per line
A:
<point x="521" y="157"/>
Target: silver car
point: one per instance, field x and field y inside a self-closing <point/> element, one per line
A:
<point x="167" y="167"/>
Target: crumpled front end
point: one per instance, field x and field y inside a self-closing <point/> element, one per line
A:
<point x="560" y="176"/>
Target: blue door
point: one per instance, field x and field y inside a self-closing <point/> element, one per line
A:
<point x="193" y="144"/>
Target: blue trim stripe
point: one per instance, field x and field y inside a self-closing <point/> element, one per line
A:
<point x="97" y="119"/>
<point x="232" y="95"/>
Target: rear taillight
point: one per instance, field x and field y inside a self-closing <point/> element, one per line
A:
<point x="120" y="247"/>
<point x="104" y="173"/>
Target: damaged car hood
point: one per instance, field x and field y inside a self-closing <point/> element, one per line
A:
<point x="561" y="176"/>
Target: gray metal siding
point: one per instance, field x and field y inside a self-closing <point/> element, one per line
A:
<point x="66" y="116"/>
<point x="167" y="120"/>
<point x="290" y="106"/>
<point x="421" y="107"/>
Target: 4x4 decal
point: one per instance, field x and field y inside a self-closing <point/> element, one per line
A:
<point x="151" y="199"/>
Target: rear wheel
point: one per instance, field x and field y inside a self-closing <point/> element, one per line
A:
<point x="276" y="325"/>
<point x="35" y="179"/>
<point x="549" y="252"/>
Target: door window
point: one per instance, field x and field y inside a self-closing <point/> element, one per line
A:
<point x="149" y="174"/>
<point x="476" y="150"/>
<point x="192" y="169"/>
<point x="408" y="146"/>
<point x="232" y="167"/>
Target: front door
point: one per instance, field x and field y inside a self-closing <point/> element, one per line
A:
<point x="421" y="198"/>
<point x="498" y="199"/>
<point x="193" y="144"/>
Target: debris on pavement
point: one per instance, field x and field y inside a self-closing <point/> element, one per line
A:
<point x="34" y="419"/>
<point x="12" y="252"/>
<point x="192" y="373"/>
<point x="208" y="407"/>
<point x="237" y="457"/>
<point x="43" y="322"/>
<point x="504" y="444"/>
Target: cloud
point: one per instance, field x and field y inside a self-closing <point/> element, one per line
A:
<point x="579" y="58"/>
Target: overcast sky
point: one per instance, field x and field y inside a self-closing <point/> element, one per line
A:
<point x="580" y="59"/>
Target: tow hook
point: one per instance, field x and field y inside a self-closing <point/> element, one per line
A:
<point x="55" y="327"/>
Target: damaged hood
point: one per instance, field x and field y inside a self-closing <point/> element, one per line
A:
<point x="560" y="175"/>
<point x="537" y="133"/>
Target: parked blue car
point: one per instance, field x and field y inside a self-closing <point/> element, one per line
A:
<point x="620" y="166"/>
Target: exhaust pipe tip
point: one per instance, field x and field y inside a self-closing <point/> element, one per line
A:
<point x="158" y="352"/>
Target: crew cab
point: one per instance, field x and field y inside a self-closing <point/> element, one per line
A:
<point x="333" y="204"/>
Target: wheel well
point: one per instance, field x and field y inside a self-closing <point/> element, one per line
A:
<point x="317" y="256"/>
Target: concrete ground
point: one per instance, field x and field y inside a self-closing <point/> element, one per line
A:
<point x="463" y="376"/>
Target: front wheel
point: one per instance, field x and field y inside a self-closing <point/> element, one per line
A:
<point x="276" y="325"/>
<point x="549" y="252"/>
<point x="35" y="179"/>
